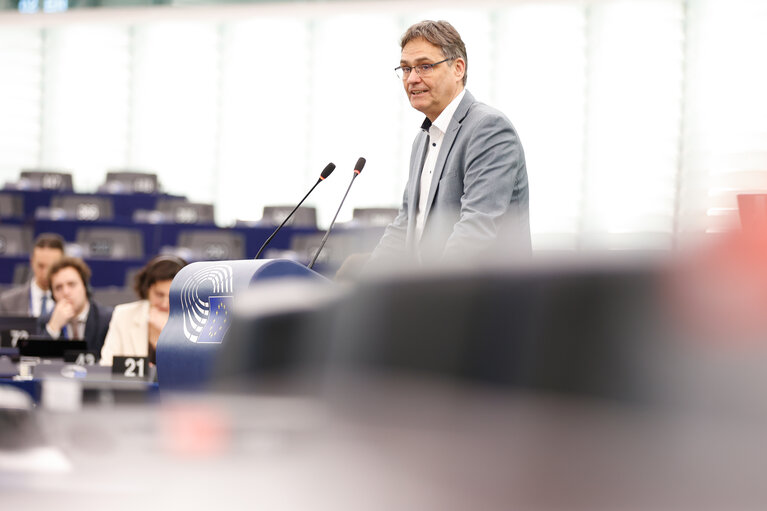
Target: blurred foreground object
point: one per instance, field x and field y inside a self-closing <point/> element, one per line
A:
<point x="567" y="385"/>
<point x="684" y="332"/>
<point x="752" y="208"/>
<point x="721" y="288"/>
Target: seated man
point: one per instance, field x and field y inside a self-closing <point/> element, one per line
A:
<point x="75" y="315"/>
<point x="34" y="297"/>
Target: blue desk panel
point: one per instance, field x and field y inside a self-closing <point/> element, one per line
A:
<point x="144" y="390"/>
<point x="68" y="230"/>
<point x="157" y="236"/>
<point x="106" y="272"/>
<point x="8" y="265"/>
<point x="254" y="236"/>
<point x="124" y="203"/>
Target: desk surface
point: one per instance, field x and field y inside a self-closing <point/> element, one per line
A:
<point x="462" y="451"/>
<point x="91" y="380"/>
<point x="124" y="204"/>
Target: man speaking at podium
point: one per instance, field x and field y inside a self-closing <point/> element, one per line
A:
<point x="467" y="196"/>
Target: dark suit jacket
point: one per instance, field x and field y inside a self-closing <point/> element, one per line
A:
<point x="478" y="201"/>
<point x="15" y="301"/>
<point x="96" y="326"/>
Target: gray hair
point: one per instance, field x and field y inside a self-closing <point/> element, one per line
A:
<point x="441" y="34"/>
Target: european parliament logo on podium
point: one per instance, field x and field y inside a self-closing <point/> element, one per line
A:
<point x="206" y="299"/>
<point x="218" y="320"/>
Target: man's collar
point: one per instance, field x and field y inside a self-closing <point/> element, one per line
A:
<point x="443" y="120"/>
<point x="37" y="289"/>
<point x="83" y="316"/>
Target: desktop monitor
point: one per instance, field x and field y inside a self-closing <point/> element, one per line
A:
<point x="13" y="328"/>
<point x="43" y="347"/>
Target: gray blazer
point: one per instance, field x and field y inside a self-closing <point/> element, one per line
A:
<point x="15" y="301"/>
<point x="478" y="201"/>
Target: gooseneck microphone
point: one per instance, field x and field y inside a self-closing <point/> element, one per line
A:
<point x="329" y="168"/>
<point x="357" y="169"/>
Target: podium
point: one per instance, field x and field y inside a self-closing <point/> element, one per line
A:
<point x="201" y="300"/>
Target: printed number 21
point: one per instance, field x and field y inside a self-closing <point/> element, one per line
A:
<point x="134" y="367"/>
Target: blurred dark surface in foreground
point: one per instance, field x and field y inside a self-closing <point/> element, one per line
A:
<point x="603" y="384"/>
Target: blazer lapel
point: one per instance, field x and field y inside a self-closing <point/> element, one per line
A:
<point x="91" y="326"/>
<point x="447" y="144"/>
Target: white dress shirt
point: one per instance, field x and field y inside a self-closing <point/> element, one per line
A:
<point x="36" y="300"/>
<point x="77" y="325"/>
<point x="437" y="132"/>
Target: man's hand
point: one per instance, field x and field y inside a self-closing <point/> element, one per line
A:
<point x="62" y="314"/>
<point x="352" y="267"/>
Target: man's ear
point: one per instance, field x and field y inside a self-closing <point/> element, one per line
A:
<point x="459" y="68"/>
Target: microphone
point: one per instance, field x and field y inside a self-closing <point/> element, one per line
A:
<point x="329" y="168"/>
<point x="357" y="169"/>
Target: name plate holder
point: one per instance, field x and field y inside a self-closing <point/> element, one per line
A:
<point x="132" y="367"/>
<point x="81" y="358"/>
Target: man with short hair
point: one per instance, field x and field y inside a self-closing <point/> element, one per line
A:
<point x="75" y="315"/>
<point x="34" y="297"/>
<point x="467" y="192"/>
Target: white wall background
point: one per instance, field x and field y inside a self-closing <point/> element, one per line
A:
<point x="641" y="119"/>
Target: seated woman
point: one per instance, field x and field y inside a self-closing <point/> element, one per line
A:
<point x="136" y="326"/>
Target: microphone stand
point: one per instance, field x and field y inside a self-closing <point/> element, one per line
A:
<point x="357" y="170"/>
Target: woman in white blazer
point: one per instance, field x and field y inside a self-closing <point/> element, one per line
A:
<point x="136" y="326"/>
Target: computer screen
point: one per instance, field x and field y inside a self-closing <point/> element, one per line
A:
<point x="13" y="328"/>
<point x="36" y="346"/>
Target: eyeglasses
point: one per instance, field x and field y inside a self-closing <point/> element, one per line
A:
<point x="420" y="70"/>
